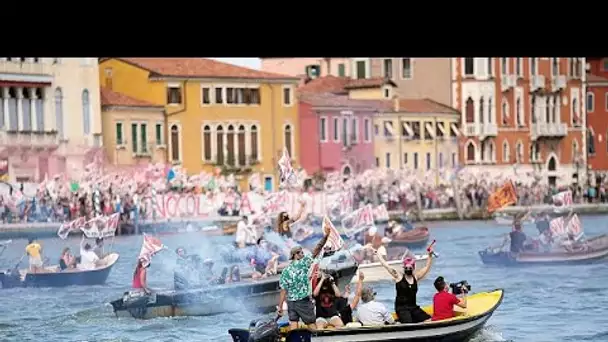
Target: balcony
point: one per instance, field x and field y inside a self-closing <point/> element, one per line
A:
<point x="26" y="71"/>
<point x="507" y="82"/>
<point x="37" y="140"/>
<point x="471" y="129"/>
<point x="549" y="130"/>
<point x="537" y="82"/>
<point x="489" y="130"/>
<point x="558" y="83"/>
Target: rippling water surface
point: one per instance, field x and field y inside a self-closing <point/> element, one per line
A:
<point x="560" y="303"/>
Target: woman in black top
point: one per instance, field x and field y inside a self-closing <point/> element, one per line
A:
<point x="284" y="222"/>
<point x="406" y="286"/>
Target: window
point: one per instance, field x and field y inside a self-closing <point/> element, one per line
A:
<point x="254" y="143"/>
<point x="606" y="101"/>
<point x="575" y="118"/>
<point x="287" y="100"/>
<point x="174" y="94"/>
<point x="219" y="98"/>
<point x="206" y="95"/>
<point x="377" y="162"/>
<point x="490" y="69"/>
<point x="405" y="158"/>
<point x="504" y="67"/>
<point x="505" y="113"/>
<point x="230" y="160"/>
<point x="58" y="112"/>
<point x="345" y="137"/>
<point x="388" y="160"/>
<point x="520" y="116"/>
<point x="440" y="159"/>
<point x="481" y="114"/>
<point x="219" y="145"/>
<point x="366" y="130"/>
<point x="533" y="66"/>
<point x="470" y="111"/>
<point x="323" y="129"/>
<point x="388" y="67"/>
<point x="590" y="142"/>
<point x="361" y="69"/>
<point x="134" y="137"/>
<point x="470" y="152"/>
<point x="518" y="67"/>
<point x="336" y="129"/>
<point x="341" y="70"/>
<point x="605" y="64"/>
<point x="86" y="112"/>
<point x="533" y="109"/>
<point x="406" y="68"/>
<point x="415" y="160"/>
<point x="387" y="93"/>
<point x="505" y="151"/>
<point x="376" y="130"/>
<point x="313" y="71"/>
<point x="287" y="135"/>
<point x="428" y="161"/>
<point x="355" y="131"/>
<point x="554" y="66"/>
<point x="454" y="159"/>
<point x="119" y="137"/>
<point x="158" y="134"/>
<point x="469" y="66"/>
<point x="519" y="152"/>
<point x="207" y="143"/>
<point x="143" y="129"/>
<point x="175" y="143"/>
<point x="242" y="158"/>
<point x="490" y="118"/>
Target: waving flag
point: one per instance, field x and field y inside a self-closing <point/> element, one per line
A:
<point x="287" y="174"/>
<point x="574" y="227"/>
<point x="358" y="220"/>
<point x="557" y="226"/>
<point x="66" y="228"/>
<point x="503" y="197"/>
<point x="150" y="247"/>
<point x="334" y="241"/>
<point x="563" y="199"/>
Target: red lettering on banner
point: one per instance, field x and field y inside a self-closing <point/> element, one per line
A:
<point x="365" y="217"/>
<point x="168" y="209"/>
<point x="159" y="206"/>
<point x="191" y="206"/>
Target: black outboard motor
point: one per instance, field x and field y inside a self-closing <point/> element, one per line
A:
<point x="264" y="330"/>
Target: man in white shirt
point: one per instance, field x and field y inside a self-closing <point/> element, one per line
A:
<point x="88" y="258"/>
<point x="372" y="312"/>
<point x="245" y="234"/>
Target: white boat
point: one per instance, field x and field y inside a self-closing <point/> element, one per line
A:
<point x="376" y="272"/>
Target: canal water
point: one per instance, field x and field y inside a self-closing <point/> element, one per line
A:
<point x="555" y="303"/>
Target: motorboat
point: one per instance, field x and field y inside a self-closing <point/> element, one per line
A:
<point x="52" y="276"/>
<point x="254" y="295"/>
<point x="480" y="308"/>
<point x="588" y="251"/>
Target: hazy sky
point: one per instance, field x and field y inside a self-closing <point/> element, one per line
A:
<point x="251" y="62"/>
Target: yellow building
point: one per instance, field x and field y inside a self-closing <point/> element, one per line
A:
<point x="417" y="134"/>
<point x="216" y="114"/>
<point x="133" y="130"/>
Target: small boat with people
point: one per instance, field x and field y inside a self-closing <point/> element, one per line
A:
<point x="252" y="294"/>
<point x="466" y="322"/>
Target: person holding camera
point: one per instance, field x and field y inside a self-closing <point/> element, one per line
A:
<point x="325" y="294"/>
<point x="406" y="286"/>
<point x="444" y="301"/>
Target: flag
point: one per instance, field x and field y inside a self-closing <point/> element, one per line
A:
<point x="149" y="248"/>
<point x="358" y="220"/>
<point x="574" y="227"/>
<point x="502" y="197"/>
<point x="334" y="241"/>
<point x="66" y="228"/>
<point x="557" y="226"/>
<point x="563" y="199"/>
<point x="380" y="213"/>
<point x="170" y="174"/>
<point x="286" y="171"/>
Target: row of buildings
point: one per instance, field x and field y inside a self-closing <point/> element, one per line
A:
<point x="332" y="114"/>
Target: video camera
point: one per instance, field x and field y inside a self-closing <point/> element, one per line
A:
<point x="457" y="288"/>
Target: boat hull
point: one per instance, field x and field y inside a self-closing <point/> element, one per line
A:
<point x="259" y="296"/>
<point x="61" y="279"/>
<point x="598" y="250"/>
<point x="376" y="272"/>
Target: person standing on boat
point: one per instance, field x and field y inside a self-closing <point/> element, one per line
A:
<point x="140" y="276"/>
<point x="88" y="258"/>
<point x="34" y="251"/>
<point x="406" y="286"/>
<point x="296" y="287"/>
<point x="245" y="233"/>
<point x="284" y="222"/>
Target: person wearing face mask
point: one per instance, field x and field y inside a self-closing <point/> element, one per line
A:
<point x="406" y="286"/>
<point x="325" y="294"/>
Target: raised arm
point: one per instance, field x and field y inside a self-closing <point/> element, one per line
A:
<point x="319" y="285"/>
<point x="321" y="243"/>
<point x="393" y="272"/>
<point x="357" y="297"/>
<point x="422" y="273"/>
<point x="300" y="212"/>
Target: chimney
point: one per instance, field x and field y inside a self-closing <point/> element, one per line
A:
<point x="396" y="103"/>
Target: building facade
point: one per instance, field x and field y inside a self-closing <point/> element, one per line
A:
<point x="134" y="130"/>
<point x="50" y="116"/>
<point x="415" y="78"/>
<point x="314" y="67"/>
<point x="416" y="134"/>
<point x="597" y="117"/>
<point x="522" y="111"/>
<point x="337" y="133"/>
<point x="217" y="114"/>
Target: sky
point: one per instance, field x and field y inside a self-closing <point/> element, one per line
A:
<point x="251" y="62"/>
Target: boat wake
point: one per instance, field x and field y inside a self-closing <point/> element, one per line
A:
<point x="489" y="334"/>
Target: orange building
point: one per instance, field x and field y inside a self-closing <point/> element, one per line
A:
<point x="527" y="111"/>
<point x="597" y="116"/>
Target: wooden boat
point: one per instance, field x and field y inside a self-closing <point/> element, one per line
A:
<point x="52" y="277"/>
<point x="252" y="295"/>
<point x="480" y="307"/>
<point x="375" y="271"/>
<point x="586" y="252"/>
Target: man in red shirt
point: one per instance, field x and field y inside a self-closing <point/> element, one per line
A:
<point x="444" y="301"/>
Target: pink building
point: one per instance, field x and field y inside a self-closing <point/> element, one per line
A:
<point x="336" y="133"/>
<point x="312" y="67"/>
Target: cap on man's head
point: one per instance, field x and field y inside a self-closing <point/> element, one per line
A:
<point x="367" y="294"/>
<point x="294" y="250"/>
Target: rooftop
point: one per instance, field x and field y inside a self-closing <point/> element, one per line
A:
<point x="112" y="98"/>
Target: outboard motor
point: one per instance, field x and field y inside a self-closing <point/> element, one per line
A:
<point x="264" y="330"/>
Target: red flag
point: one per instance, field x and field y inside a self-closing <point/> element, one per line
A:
<point x="150" y="246"/>
<point x="334" y="241"/>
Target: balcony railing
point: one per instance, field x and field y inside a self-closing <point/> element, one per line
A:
<point x="537" y="82"/>
<point x="33" y="139"/>
<point x="28" y="67"/>
<point x="544" y="129"/>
